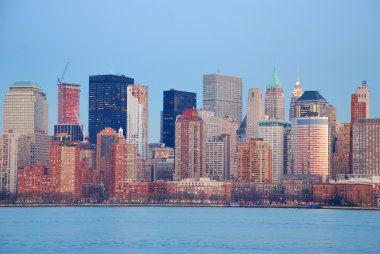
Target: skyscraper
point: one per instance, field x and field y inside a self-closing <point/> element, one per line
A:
<point x="360" y="103"/>
<point x="215" y="158"/>
<point x="272" y="132"/>
<point x="342" y="149"/>
<point x="68" y="103"/>
<point x="137" y="118"/>
<point x="25" y="108"/>
<point x="365" y="146"/>
<point x="107" y="103"/>
<point x="364" y="96"/>
<point x="190" y="145"/>
<point x="275" y="99"/>
<point x="222" y="95"/>
<point x="255" y="161"/>
<point x="173" y="105"/>
<point x="297" y="92"/>
<point x="68" y="113"/>
<point x="106" y="138"/>
<point x="310" y="146"/>
<point x="255" y="112"/>
<point x="312" y="103"/>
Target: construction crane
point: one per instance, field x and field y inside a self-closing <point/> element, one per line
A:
<point x="63" y="74"/>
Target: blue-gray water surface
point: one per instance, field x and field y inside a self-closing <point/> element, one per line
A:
<point x="187" y="230"/>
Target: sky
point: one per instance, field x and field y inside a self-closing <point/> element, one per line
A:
<point x="331" y="45"/>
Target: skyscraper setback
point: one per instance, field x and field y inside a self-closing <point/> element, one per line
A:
<point x="222" y="95"/>
<point x="107" y="103"/>
<point x="174" y="103"/>
<point x="275" y="99"/>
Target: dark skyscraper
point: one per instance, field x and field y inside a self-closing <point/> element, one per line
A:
<point x="107" y="103"/>
<point x="174" y="104"/>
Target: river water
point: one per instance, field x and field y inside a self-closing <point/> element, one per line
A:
<point x="187" y="230"/>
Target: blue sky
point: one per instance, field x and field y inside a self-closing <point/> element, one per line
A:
<point x="171" y="44"/>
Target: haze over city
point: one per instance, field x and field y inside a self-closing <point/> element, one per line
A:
<point x="173" y="47"/>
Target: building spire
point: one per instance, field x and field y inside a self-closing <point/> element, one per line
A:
<point x="275" y="82"/>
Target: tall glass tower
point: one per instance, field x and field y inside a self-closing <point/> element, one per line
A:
<point x="174" y="104"/>
<point x="107" y="103"/>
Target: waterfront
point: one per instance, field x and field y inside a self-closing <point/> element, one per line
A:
<point x="187" y="230"/>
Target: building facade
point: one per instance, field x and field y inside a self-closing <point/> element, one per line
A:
<point x="107" y="103"/>
<point x="255" y="161"/>
<point x="255" y="112"/>
<point x="297" y="92"/>
<point x="137" y="118"/>
<point x="365" y="146"/>
<point x="342" y="151"/>
<point x="68" y="103"/>
<point x="222" y="95"/>
<point x="174" y="102"/>
<point x="273" y="131"/>
<point x="310" y="146"/>
<point x="215" y="158"/>
<point x="25" y="108"/>
<point x="190" y="145"/>
<point x="275" y="99"/>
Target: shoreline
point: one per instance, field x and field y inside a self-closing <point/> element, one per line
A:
<point x="188" y="206"/>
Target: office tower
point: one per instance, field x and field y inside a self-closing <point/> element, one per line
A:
<point x="364" y="96"/>
<point x="222" y="95"/>
<point x="228" y="133"/>
<point x="288" y="166"/>
<point x="105" y="139"/>
<point x="173" y="105"/>
<point x="360" y="103"/>
<point x="342" y="149"/>
<point x="255" y="112"/>
<point x="68" y="103"/>
<point x="190" y="145"/>
<point x="25" y="108"/>
<point x="310" y="146"/>
<point x="68" y="113"/>
<point x="312" y="103"/>
<point x="365" y="146"/>
<point x="297" y="92"/>
<point x="215" y="158"/>
<point x="255" y="161"/>
<point x="107" y="103"/>
<point x="275" y="99"/>
<point x="137" y="118"/>
<point x="65" y="174"/>
<point x="212" y="124"/>
<point x="272" y="132"/>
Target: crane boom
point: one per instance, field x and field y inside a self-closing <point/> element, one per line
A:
<point x="63" y="74"/>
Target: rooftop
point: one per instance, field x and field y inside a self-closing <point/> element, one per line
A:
<point x="311" y="96"/>
<point x="20" y="84"/>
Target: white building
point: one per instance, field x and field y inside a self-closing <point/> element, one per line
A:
<point x="25" y="108"/>
<point x="137" y="118"/>
<point x="255" y="112"/>
<point x="272" y="132"/>
<point x="222" y="95"/>
<point x="215" y="158"/>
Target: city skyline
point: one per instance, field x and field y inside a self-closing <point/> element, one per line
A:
<point x="345" y="57"/>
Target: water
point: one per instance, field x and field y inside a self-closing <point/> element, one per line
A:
<point x="187" y="230"/>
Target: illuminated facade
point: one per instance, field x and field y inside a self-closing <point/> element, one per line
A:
<point x="297" y="92"/>
<point x="255" y="112"/>
<point x="222" y="95"/>
<point x="275" y="99"/>
<point x="68" y="103"/>
<point x="255" y="161"/>
<point x="137" y="118"/>
<point x="310" y="146"/>
<point x="190" y="145"/>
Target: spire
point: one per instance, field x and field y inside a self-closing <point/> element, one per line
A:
<point x="275" y="82"/>
<point x="121" y="132"/>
